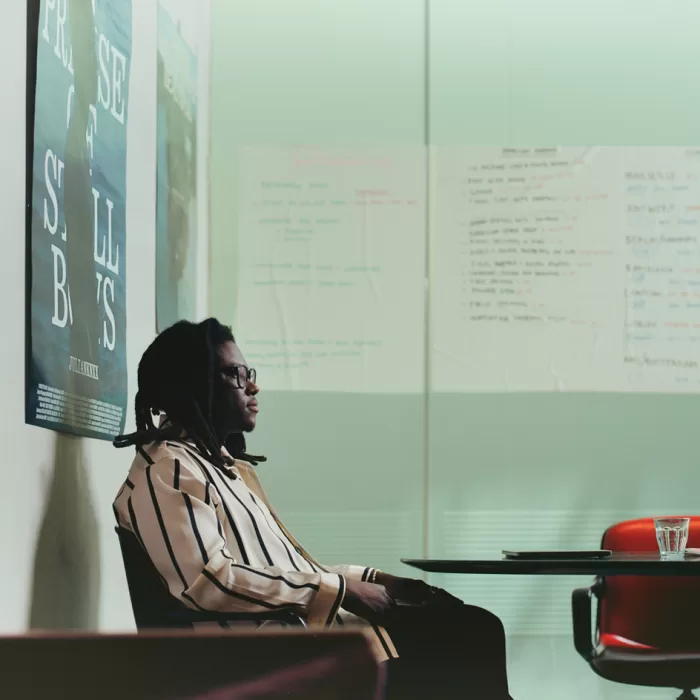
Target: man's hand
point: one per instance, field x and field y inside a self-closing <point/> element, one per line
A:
<point x="408" y="591"/>
<point x="369" y="601"/>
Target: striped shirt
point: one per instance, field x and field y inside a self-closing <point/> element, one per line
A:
<point x="219" y="545"/>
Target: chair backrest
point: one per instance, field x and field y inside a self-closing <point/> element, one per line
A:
<point x="656" y="611"/>
<point x="155" y="608"/>
<point x="151" y="602"/>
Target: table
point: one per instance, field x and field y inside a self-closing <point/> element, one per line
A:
<point x="627" y="563"/>
<point x="662" y="668"/>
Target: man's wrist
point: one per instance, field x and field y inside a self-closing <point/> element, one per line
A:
<point x="381" y="578"/>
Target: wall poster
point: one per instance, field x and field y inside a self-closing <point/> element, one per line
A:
<point x="78" y="98"/>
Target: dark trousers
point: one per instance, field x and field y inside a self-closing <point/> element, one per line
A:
<point x="446" y="653"/>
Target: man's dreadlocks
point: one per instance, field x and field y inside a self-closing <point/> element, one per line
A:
<point x="176" y="376"/>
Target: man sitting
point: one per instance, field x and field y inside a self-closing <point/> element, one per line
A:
<point x="193" y="501"/>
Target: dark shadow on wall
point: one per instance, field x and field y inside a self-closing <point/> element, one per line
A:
<point x="66" y="576"/>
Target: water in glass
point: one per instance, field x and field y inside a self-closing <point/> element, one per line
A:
<point x="672" y="536"/>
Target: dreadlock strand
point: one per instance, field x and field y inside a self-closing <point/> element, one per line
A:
<point x="236" y="447"/>
<point x="204" y="437"/>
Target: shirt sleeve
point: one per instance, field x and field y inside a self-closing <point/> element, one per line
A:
<point x="172" y="513"/>
<point x="351" y="571"/>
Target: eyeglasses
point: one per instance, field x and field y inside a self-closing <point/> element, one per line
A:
<point x="241" y="374"/>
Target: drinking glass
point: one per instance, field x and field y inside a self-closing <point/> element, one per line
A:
<point x="672" y="536"/>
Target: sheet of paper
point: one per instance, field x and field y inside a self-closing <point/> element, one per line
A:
<point x="662" y="264"/>
<point x="331" y="270"/>
<point x="568" y="269"/>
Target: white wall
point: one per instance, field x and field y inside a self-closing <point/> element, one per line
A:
<point x="27" y="452"/>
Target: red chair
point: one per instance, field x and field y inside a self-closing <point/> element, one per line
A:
<point x="647" y="627"/>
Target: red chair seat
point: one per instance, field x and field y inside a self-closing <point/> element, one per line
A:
<point x="614" y="641"/>
<point x="649" y="668"/>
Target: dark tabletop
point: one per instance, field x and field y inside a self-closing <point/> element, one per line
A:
<point x="635" y="564"/>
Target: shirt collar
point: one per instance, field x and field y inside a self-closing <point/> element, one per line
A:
<point x="164" y="422"/>
<point x="227" y="455"/>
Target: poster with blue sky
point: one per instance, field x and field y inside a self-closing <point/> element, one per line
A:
<point x="76" y="325"/>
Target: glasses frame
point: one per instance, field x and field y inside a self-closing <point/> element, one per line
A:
<point x="234" y="371"/>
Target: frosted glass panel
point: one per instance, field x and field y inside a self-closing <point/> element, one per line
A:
<point x="344" y="436"/>
<point x="533" y="433"/>
<point x="514" y="457"/>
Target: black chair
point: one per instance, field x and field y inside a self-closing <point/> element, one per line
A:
<point x="155" y="608"/>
